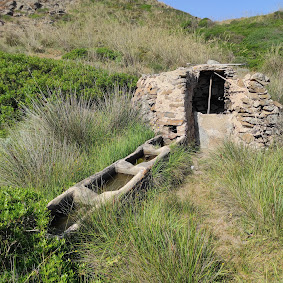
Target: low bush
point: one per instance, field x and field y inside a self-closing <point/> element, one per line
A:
<point x="106" y="53"/>
<point x="23" y="78"/>
<point x="252" y="184"/>
<point x="26" y="253"/>
<point x="77" y="53"/>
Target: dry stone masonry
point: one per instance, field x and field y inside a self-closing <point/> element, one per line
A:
<point x="28" y="7"/>
<point x="208" y="103"/>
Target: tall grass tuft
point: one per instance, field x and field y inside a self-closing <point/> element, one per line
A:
<point x="65" y="139"/>
<point x="151" y="240"/>
<point x="252" y="182"/>
<point x="273" y="66"/>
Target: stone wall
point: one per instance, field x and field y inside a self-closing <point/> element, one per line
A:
<point x="171" y="100"/>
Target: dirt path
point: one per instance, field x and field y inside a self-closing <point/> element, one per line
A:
<point x="247" y="257"/>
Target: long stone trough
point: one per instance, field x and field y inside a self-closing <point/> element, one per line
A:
<point x="119" y="179"/>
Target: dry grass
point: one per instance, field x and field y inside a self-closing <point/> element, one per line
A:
<point x="273" y="67"/>
<point x="151" y="44"/>
<point x="250" y="257"/>
<point x="64" y="140"/>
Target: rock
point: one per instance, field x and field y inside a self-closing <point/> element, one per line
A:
<point x="272" y="119"/>
<point x="254" y="86"/>
<point x="259" y="77"/>
<point x="264" y="96"/>
<point x="246" y="124"/>
<point x="11" y="4"/>
<point x="277" y="104"/>
<point x="248" y="138"/>
<point x="258" y="103"/>
<point x="2" y="23"/>
<point x="212" y="62"/>
<point x="269" y="108"/>
<point x="247" y="77"/>
<point x="7" y="12"/>
<point x="169" y="115"/>
<point x="37" y="5"/>
<point x="251" y="120"/>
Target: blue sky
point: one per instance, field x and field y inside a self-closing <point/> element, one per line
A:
<point x="223" y="10"/>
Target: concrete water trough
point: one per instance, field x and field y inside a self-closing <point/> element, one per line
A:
<point x="120" y="178"/>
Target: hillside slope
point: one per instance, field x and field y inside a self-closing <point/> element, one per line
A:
<point x="250" y="39"/>
<point x="149" y="35"/>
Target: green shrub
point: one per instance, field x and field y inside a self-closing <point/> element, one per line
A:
<point x="106" y="53"/>
<point x="187" y="24"/>
<point x="26" y="253"/>
<point x="77" y="53"/>
<point x="23" y="77"/>
<point x="205" y="22"/>
<point x="145" y="7"/>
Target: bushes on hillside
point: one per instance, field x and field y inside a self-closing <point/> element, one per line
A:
<point x="23" y="77"/>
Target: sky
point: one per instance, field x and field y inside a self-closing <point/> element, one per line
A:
<point x="218" y="10"/>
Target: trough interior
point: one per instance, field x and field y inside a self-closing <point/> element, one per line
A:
<point x="62" y="215"/>
<point x="159" y="142"/>
<point x="110" y="181"/>
<point x="140" y="157"/>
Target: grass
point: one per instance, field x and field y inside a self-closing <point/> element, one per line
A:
<point x="144" y="40"/>
<point x="249" y="38"/>
<point x="64" y="140"/>
<point x="253" y="181"/>
<point x="61" y="141"/>
<point x="273" y="66"/>
<point x="24" y="78"/>
<point x="131" y="242"/>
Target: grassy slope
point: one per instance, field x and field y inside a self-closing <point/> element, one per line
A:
<point x="242" y="207"/>
<point x="249" y="38"/>
<point x="256" y="41"/>
<point x="149" y="36"/>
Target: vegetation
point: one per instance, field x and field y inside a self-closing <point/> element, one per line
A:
<point x="143" y="39"/>
<point x="60" y="142"/>
<point x="75" y="124"/>
<point x="249" y="38"/>
<point x="253" y="179"/>
<point x="26" y="254"/>
<point x="131" y="241"/>
<point x="23" y="78"/>
<point x="64" y="140"/>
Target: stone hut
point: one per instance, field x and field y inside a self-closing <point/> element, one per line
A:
<point x="207" y="104"/>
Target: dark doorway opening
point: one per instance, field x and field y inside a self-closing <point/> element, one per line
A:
<point x="209" y="93"/>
